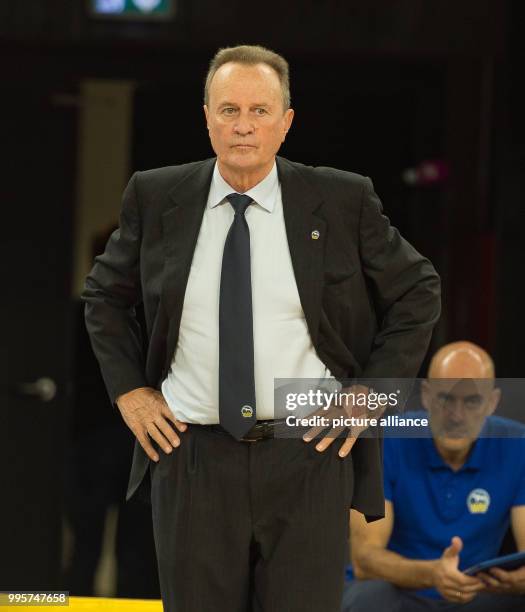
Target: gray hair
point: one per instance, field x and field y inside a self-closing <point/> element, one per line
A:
<point x="250" y="55"/>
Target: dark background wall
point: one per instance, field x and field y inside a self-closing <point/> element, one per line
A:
<point x="377" y="87"/>
<point x="508" y="198"/>
<point x="377" y="26"/>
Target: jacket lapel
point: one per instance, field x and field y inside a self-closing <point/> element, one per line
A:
<point x="306" y="233"/>
<point x="305" y="230"/>
<point x="180" y="229"/>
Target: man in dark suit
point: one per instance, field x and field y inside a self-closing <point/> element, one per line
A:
<point x="251" y="268"/>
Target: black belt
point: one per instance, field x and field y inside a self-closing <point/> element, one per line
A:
<point x="262" y="430"/>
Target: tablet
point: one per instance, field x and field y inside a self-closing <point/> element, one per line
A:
<point x="508" y="563"/>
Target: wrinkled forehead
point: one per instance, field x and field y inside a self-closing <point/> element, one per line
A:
<point x="460" y="387"/>
<point x="241" y="81"/>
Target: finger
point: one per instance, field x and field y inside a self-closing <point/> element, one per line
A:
<point x="454" y="584"/>
<point x="458" y="581"/>
<point x="464" y="582"/>
<point x="466" y="597"/>
<point x="472" y="588"/>
<point x="488" y="580"/>
<point x="458" y="596"/>
<point x="346" y="446"/>
<point x="146" y="445"/>
<point x="167" y="430"/>
<point x="325" y="442"/>
<point x="159" y="438"/>
<point x="454" y="549"/>
<point x="501" y="575"/>
<point x="313" y="433"/>
<point x="328" y="439"/>
<point x="328" y="417"/>
<point x="450" y="595"/>
<point x="180" y="425"/>
<point x="356" y="431"/>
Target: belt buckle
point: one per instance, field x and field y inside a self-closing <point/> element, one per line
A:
<point x="259" y="427"/>
<point x="266" y="430"/>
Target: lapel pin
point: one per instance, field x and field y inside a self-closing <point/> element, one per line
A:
<point x="315" y="235"/>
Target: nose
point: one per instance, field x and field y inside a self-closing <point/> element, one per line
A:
<point x="243" y="126"/>
<point x="455" y="412"/>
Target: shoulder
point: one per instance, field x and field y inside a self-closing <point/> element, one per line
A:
<point x="502" y="444"/>
<point x="326" y="179"/>
<point x="165" y="178"/>
<point x="500" y="428"/>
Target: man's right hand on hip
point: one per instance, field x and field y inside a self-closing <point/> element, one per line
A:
<point x="145" y="411"/>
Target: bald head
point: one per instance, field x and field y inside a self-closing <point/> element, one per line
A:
<point x="461" y="360"/>
<point x="459" y="394"/>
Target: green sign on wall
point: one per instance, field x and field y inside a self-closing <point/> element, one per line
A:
<point x="150" y="9"/>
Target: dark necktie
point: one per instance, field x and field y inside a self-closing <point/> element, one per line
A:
<point x="236" y="375"/>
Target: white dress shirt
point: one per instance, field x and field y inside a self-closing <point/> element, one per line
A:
<point x="282" y="344"/>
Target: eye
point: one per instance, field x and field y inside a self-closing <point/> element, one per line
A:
<point x="228" y="110"/>
<point x="444" y="399"/>
<point x="260" y="111"/>
<point x="473" y="402"/>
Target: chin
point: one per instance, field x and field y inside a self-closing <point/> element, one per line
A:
<point x="455" y="444"/>
<point x="242" y="156"/>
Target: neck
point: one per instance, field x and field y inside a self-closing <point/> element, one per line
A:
<point x="455" y="458"/>
<point x="242" y="180"/>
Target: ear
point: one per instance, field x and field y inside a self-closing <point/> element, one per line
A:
<point x="495" y="397"/>
<point x="206" y="114"/>
<point x="425" y="395"/>
<point x="288" y="118"/>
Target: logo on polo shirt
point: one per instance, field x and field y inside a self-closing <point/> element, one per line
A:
<point x="247" y="412"/>
<point x="478" y="501"/>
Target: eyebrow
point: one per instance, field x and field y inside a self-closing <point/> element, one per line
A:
<point x="471" y="396"/>
<point x="258" y="104"/>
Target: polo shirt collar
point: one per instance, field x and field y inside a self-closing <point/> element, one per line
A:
<point x="264" y="193"/>
<point x="435" y="461"/>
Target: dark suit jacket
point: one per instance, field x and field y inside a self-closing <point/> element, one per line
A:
<point x="369" y="298"/>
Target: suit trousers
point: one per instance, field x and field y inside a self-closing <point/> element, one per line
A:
<point x="250" y="526"/>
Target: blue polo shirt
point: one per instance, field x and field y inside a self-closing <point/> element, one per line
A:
<point x="433" y="503"/>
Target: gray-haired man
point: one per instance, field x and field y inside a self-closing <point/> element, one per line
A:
<point x="250" y="268"/>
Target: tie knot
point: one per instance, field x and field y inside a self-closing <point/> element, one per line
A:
<point x="239" y="201"/>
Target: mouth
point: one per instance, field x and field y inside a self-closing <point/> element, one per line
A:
<point x="455" y="432"/>
<point x="243" y="146"/>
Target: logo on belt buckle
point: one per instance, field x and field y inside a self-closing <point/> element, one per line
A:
<point x="247" y="411"/>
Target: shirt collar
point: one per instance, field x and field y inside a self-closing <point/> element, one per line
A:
<point x="263" y="194"/>
<point x="435" y="461"/>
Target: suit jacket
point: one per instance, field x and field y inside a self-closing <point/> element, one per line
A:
<point x="369" y="298"/>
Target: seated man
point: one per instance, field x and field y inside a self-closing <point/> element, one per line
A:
<point x="450" y="497"/>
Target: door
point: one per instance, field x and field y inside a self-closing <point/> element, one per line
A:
<point x="37" y="196"/>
